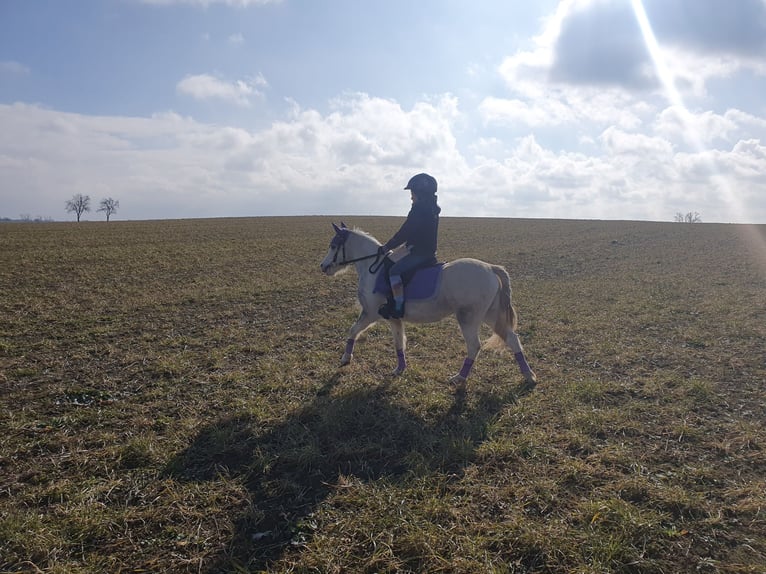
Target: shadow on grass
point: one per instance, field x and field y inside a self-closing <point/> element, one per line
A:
<point x="290" y="468"/>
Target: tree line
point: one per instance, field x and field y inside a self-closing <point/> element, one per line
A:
<point x="688" y="217"/>
<point x="80" y="204"/>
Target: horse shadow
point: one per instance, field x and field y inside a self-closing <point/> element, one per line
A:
<point x="291" y="467"/>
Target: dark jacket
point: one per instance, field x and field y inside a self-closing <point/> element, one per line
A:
<point x="419" y="230"/>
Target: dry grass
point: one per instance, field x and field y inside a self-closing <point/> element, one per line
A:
<point x="171" y="402"/>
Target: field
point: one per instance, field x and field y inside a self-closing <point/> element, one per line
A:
<point x="171" y="401"/>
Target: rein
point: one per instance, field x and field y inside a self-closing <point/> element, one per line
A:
<point x="372" y="269"/>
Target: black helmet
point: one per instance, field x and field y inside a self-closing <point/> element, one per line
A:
<point x="422" y="184"/>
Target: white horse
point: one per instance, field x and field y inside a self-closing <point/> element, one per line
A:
<point x="472" y="290"/>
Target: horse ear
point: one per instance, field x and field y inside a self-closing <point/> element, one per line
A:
<point x="336" y="228"/>
<point x="343" y="225"/>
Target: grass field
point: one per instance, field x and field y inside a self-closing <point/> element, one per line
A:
<point x="171" y="402"/>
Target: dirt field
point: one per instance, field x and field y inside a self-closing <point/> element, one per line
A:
<point x="171" y="402"/>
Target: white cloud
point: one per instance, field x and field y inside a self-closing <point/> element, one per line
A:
<point x="708" y="129"/>
<point x="548" y="112"/>
<point x="206" y="87"/>
<point x="589" y="73"/>
<point x="590" y="61"/>
<point x="555" y="84"/>
<point x="559" y="107"/>
<point x="356" y="157"/>
<point x="599" y="42"/>
<point x="618" y="142"/>
<point x="236" y="39"/>
<point x="13" y="67"/>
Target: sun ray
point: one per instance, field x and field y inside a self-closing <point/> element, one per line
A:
<point x="723" y="184"/>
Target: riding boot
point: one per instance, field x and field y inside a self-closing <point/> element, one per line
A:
<point x="393" y="308"/>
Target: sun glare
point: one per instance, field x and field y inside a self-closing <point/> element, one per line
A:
<point x="722" y="183"/>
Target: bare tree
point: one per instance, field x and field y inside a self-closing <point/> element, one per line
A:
<point x="109" y="206"/>
<point x="78" y="205"/>
<point x="690" y="217"/>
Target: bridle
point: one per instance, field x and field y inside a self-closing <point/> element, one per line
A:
<point x="374" y="267"/>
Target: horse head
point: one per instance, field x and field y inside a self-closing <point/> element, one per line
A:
<point x="329" y="264"/>
<point x="341" y="234"/>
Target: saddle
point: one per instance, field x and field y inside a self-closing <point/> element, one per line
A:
<point x="419" y="283"/>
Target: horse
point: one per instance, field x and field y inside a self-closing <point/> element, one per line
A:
<point x="474" y="291"/>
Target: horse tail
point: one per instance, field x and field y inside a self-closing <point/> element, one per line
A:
<point x="506" y="319"/>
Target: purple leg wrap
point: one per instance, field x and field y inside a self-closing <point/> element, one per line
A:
<point x="522" y="362"/>
<point x="350" y="346"/>
<point x="401" y="362"/>
<point x="466" y="370"/>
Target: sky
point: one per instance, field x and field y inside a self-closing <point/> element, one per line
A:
<point x="571" y="109"/>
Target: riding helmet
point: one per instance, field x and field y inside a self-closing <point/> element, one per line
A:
<point x="422" y="183"/>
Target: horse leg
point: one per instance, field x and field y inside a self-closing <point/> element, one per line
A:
<point x="360" y="326"/>
<point x="469" y="326"/>
<point x="512" y="340"/>
<point x="400" y="344"/>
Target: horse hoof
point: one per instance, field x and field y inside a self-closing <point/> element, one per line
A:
<point x="458" y="381"/>
<point x="345" y="360"/>
<point x="397" y="372"/>
<point x="526" y="387"/>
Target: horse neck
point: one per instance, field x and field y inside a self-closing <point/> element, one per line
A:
<point x="362" y="246"/>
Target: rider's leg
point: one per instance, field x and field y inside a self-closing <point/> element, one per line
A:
<point x="399" y="268"/>
<point x="397" y="289"/>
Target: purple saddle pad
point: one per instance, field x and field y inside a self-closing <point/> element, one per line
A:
<point x="422" y="285"/>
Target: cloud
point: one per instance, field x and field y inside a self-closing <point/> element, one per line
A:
<point x="236" y="39"/>
<point x="582" y="70"/>
<point x="13" y="68"/>
<point x="711" y="26"/>
<point x="618" y="142"/>
<point x="601" y="44"/>
<point x="559" y="107"/>
<point x="707" y="128"/>
<point x="355" y="158"/>
<point x="547" y="112"/>
<point x="588" y="73"/>
<point x="207" y="87"/>
<point x="592" y="45"/>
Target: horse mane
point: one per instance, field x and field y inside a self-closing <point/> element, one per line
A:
<point x="362" y="233"/>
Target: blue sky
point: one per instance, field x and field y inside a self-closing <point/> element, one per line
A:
<point x="594" y="109"/>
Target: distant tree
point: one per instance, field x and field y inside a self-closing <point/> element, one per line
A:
<point x="690" y="217"/>
<point x="109" y="206"/>
<point x="78" y="205"/>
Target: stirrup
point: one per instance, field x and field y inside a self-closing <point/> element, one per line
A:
<point x="388" y="310"/>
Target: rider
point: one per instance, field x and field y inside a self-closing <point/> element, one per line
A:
<point x="418" y="232"/>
